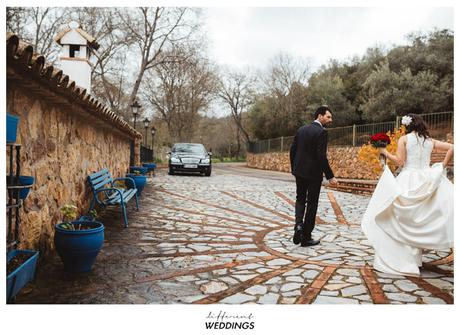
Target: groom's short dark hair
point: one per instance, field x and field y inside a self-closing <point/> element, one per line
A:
<point x="322" y="110"/>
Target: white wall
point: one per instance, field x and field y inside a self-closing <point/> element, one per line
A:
<point x="78" y="71"/>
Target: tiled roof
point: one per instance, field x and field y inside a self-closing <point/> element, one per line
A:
<point x="91" y="40"/>
<point x="32" y="67"/>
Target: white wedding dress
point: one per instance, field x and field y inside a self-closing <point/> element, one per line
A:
<point x="411" y="212"/>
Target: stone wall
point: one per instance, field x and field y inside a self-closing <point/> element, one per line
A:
<point x="60" y="149"/>
<point x="65" y="135"/>
<point x="343" y="161"/>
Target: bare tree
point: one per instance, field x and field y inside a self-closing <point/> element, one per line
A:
<point x="38" y="26"/>
<point x="287" y="82"/>
<point x="285" y="70"/>
<point x="110" y="83"/>
<point x="154" y="30"/>
<point x="218" y="136"/>
<point x="46" y="23"/>
<point x="16" y="20"/>
<point x="179" y="91"/>
<point x="236" y="90"/>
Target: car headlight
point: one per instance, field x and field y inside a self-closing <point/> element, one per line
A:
<point x="205" y="161"/>
<point x="175" y="160"/>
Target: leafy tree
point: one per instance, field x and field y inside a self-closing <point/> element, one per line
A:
<point x="391" y="93"/>
<point x="431" y="52"/>
<point x="330" y="90"/>
<point x="275" y="116"/>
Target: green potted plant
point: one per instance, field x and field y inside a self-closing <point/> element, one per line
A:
<point x="78" y="242"/>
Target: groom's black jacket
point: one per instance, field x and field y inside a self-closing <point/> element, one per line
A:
<point x="309" y="153"/>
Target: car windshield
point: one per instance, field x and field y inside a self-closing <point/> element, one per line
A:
<point x="186" y="148"/>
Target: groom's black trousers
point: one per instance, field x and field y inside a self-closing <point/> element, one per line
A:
<point x="307" y="193"/>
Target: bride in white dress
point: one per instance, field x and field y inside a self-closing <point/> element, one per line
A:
<point x="413" y="211"/>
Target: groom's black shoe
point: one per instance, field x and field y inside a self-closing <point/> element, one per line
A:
<point x="308" y="243"/>
<point x="297" y="234"/>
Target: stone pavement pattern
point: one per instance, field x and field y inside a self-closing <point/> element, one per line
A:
<point x="227" y="239"/>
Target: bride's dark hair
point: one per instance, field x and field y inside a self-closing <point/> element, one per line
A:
<point x="418" y="125"/>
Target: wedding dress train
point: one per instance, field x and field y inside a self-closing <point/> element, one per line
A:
<point x="411" y="212"/>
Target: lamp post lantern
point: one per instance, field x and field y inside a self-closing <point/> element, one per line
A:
<point x="153" y="130"/>
<point x="135" y="107"/>
<point x="146" y="125"/>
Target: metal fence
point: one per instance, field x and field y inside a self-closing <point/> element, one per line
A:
<point x="439" y="124"/>
<point x="146" y="154"/>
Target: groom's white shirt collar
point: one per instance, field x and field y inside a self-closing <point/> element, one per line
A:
<point x="319" y="123"/>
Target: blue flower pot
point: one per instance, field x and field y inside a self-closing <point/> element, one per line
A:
<point x="150" y="166"/>
<point x="78" y="249"/>
<point x="139" y="180"/>
<point x="140" y="169"/>
<point x="11" y="127"/>
<point x="23" y="274"/>
<point x="25" y="181"/>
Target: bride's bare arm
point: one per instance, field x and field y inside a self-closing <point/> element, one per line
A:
<point x="444" y="146"/>
<point x="400" y="156"/>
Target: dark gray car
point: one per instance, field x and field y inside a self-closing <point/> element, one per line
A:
<point x="189" y="157"/>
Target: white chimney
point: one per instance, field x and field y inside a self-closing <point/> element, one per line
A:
<point x="77" y="48"/>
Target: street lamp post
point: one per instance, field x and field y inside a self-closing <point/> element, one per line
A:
<point x="152" y="130"/>
<point x="146" y="125"/>
<point x="135" y="107"/>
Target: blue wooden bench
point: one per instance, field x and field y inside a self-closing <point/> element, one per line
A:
<point x="106" y="194"/>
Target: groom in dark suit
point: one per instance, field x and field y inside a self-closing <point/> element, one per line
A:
<point x="308" y="164"/>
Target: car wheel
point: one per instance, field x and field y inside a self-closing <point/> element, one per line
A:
<point x="208" y="173"/>
<point x="171" y="172"/>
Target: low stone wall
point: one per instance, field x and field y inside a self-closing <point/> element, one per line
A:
<point x="343" y="161"/>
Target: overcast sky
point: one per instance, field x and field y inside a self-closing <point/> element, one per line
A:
<point x="243" y="36"/>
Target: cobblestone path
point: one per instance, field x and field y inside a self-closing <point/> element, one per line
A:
<point x="227" y="239"/>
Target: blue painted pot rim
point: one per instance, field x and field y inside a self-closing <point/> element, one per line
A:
<point x="23" y="180"/>
<point x="26" y="180"/>
<point x="98" y="228"/>
<point x="141" y="168"/>
<point x="10" y="254"/>
<point x="23" y="274"/>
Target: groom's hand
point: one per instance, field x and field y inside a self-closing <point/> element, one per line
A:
<point x="333" y="182"/>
